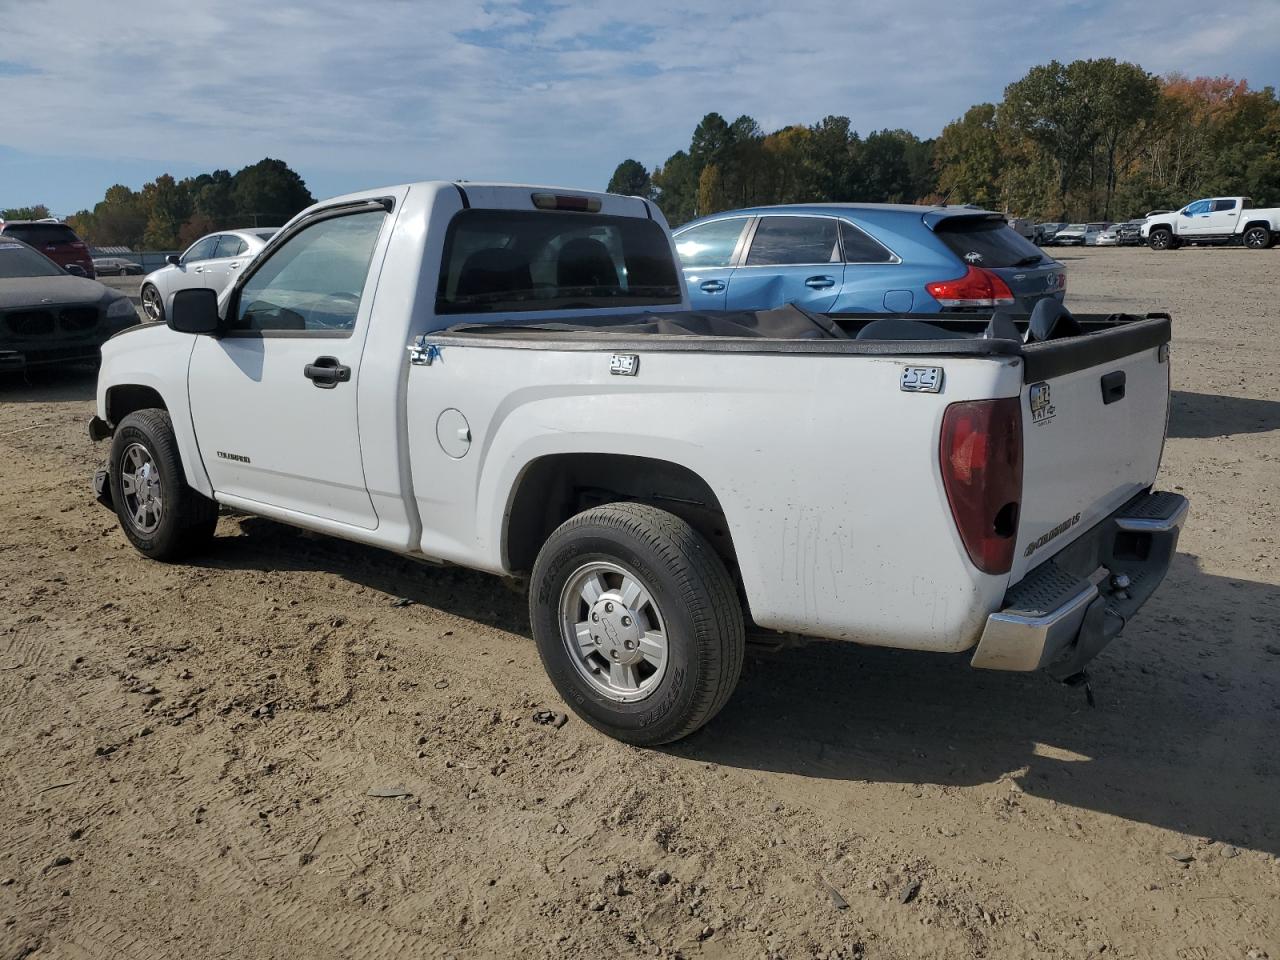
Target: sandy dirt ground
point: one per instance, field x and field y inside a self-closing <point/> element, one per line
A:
<point x="187" y="753"/>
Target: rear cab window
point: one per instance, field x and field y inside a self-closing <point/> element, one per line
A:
<point x="498" y="261"/>
<point x="981" y="242"/>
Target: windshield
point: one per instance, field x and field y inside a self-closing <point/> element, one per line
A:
<point x="509" y="260"/>
<point x="987" y="243"/>
<point x="18" y="260"/>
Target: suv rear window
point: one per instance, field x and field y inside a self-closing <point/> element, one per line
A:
<point x="498" y="261"/>
<point x="988" y="243"/>
<point x="39" y="234"/>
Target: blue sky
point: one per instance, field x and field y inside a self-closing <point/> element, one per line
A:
<point x="353" y="95"/>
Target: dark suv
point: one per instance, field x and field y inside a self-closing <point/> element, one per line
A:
<point x="56" y="241"/>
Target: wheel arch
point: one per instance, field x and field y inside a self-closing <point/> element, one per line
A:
<point x="125" y="398"/>
<point x="555" y="487"/>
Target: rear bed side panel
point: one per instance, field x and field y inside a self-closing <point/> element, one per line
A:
<point x="832" y="494"/>
<point x="1085" y="457"/>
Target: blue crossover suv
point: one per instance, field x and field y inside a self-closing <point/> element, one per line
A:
<point x="864" y="258"/>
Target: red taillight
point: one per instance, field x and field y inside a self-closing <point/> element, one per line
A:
<point x="982" y="472"/>
<point x="977" y="288"/>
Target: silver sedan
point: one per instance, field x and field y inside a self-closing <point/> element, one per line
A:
<point x="213" y="261"/>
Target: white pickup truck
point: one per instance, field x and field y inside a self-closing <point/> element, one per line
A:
<point x="509" y="378"/>
<point x="1214" y="220"/>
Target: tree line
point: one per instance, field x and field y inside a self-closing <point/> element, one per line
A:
<point x="168" y="214"/>
<point x="1084" y="141"/>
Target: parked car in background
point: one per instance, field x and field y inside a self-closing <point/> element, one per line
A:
<point x="1045" y="232"/>
<point x="50" y="316"/>
<point x="57" y="241"/>
<point x="115" y="267"/>
<point x="1072" y="235"/>
<point x="863" y="257"/>
<point x="1109" y="237"/>
<point x="1216" y="220"/>
<point x="213" y="261"/>
<point x="1130" y="232"/>
<point x="1093" y="231"/>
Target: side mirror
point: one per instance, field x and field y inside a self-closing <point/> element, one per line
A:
<point x="173" y="259"/>
<point x="76" y="270"/>
<point x="194" y="311"/>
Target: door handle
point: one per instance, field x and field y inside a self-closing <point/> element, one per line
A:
<point x="820" y="283"/>
<point x="1113" y="387"/>
<point x="326" y="372"/>
<point x="197" y="269"/>
<point x="233" y="264"/>
<point x="711" y="286"/>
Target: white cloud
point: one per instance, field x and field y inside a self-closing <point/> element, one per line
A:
<point x="557" y="91"/>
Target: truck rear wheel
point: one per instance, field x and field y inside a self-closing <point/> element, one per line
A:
<point x="637" y="622"/>
<point x="1160" y="239"/>
<point x="162" y="517"/>
<point x="1257" y="238"/>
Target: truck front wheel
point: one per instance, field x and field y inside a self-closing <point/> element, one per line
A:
<point x="162" y="517"/>
<point x="1160" y="239"/>
<point x="637" y="622"/>
<point x="1257" y="238"/>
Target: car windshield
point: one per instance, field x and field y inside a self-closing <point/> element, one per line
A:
<point x="988" y="243"/>
<point x="18" y="260"/>
<point x="1076" y="226"/>
<point x="510" y="260"/>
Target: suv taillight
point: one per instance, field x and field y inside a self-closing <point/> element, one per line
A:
<point x="981" y="458"/>
<point x="977" y="288"/>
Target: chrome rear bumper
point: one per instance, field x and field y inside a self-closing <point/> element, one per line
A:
<point x="1068" y="608"/>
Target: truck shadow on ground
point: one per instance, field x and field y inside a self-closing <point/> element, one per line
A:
<point x="1204" y="415"/>
<point x="1182" y="736"/>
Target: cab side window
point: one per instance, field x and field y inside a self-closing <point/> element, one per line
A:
<point x="1227" y="203"/>
<point x="312" y="282"/>
<point x="1200" y="206"/>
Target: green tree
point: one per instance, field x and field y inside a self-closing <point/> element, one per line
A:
<point x="268" y="193"/>
<point x="120" y="218"/>
<point x="212" y="200"/>
<point x="676" y="185"/>
<point x="168" y="205"/>
<point x="631" y="179"/>
<point x="970" y="158"/>
<point x="35" y="212"/>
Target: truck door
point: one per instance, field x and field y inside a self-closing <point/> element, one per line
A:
<point x="1224" y="214"/>
<point x="1193" y="219"/>
<point x="707" y="254"/>
<point x="274" y="398"/>
<point x="792" y="259"/>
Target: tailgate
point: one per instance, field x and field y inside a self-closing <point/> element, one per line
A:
<point x="1094" y="411"/>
